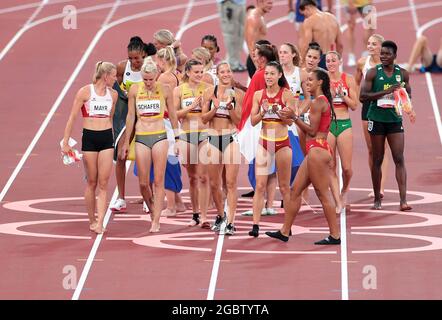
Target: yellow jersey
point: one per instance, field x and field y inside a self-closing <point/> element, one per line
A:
<point x="150" y="104"/>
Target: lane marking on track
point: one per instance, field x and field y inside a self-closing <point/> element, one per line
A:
<point x="195" y="23"/>
<point x="91" y="258"/>
<point x="29" y="6"/>
<point x="111" y="13"/>
<point x="429" y="79"/>
<point x="186" y="15"/>
<point x="97" y="242"/>
<point x="31" y="25"/>
<point x="344" y="255"/>
<point x="74" y="75"/>
<point x="22" y="29"/>
<point x="217" y="260"/>
<point x="64" y="91"/>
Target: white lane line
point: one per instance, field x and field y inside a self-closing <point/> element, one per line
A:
<point x="344" y="255"/>
<point x="413" y="14"/>
<point x="111" y="13"/>
<point x="434" y="104"/>
<point x="93" y="253"/>
<point x="51" y="113"/>
<point x="22" y="29"/>
<point x="72" y="78"/>
<point x="428" y="25"/>
<point x="86" y="10"/>
<point x="29" y="6"/>
<point x="428" y="78"/>
<point x="31" y="25"/>
<point x="217" y="259"/>
<point x="36" y="12"/>
<point x="186" y="15"/>
<point x="195" y="23"/>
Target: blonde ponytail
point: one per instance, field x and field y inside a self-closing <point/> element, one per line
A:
<point x="102" y="68"/>
<point x="149" y="66"/>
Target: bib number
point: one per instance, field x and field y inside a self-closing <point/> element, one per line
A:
<point x="149" y="107"/>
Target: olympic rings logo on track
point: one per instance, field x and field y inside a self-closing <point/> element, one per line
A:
<point x="172" y="240"/>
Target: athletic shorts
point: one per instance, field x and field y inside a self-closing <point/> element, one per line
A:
<point x="317" y="143"/>
<point x="96" y="141"/>
<point x="149" y="140"/>
<point x="339" y="126"/>
<point x="195" y="137"/>
<point x="364" y="110"/>
<point x="222" y="142"/>
<point x="273" y="146"/>
<point x="376" y="128"/>
<point x="433" y="67"/>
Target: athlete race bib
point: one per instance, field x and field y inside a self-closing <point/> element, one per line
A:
<point x="149" y="107"/>
<point x="186" y="103"/>
<point x="222" y="111"/>
<point x="100" y="108"/>
<point x="271" y="113"/>
<point x="386" y="101"/>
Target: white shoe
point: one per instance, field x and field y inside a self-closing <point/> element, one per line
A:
<point x="145" y="208"/>
<point x="247" y="213"/>
<point x="351" y="60"/>
<point x="270" y="212"/>
<point x="118" y="205"/>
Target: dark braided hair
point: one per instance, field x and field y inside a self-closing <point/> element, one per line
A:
<point x="282" y="82"/>
<point x="210" y="37"/>
<point x="321" y="74"/>
<point x="137" y="44"/>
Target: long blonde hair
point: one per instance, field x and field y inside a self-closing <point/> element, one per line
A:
<point x="168" y="55"/>
<point x="378" y="37"/>
<point x="164" y="36"/>
<point x="102" y="68"/>
<point x="203" y="54"/>
<point x="149" y="66"/>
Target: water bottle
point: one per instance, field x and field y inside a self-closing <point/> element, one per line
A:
<point x="71" y="157"/>
<point x="67" y="159"/>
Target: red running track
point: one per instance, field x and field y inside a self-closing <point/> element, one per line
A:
<point x="44" y="237"/>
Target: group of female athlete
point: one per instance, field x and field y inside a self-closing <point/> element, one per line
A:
<point x="166" y="109"/>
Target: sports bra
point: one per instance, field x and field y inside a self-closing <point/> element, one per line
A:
<point x="294" y="81"/>
<point x="324" y="123"/>
<point x="338" y="100"/>
<point x="188" y="95"/>
<point x="222" y="111"/>
<point x="97" y="106"/>
<point x="130" y="77"/>
<point x="150" y="105"/>
<point x="367" y="66"/>
<point x="275" y="104"/>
